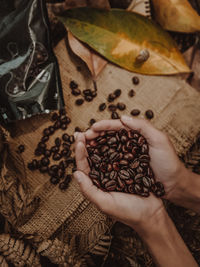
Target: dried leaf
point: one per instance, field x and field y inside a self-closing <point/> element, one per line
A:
<point x="176" y="15"/>
<point x="94" y="62"/>
<point x="3" y="262"/>
<point x="17" y="252"/>
<point x="127" y="39"/>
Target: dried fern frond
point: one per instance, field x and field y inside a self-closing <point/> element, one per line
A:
<point x="103" y="245"/>
<point x="3" y="262"/>
<point x="17" y="252"/>
<point x="17" y="205"/>
<point x="60" y="253"/>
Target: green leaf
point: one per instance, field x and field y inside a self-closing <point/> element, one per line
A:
<point x="120" y="36"/>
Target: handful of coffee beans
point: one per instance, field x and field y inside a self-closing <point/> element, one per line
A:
<point x="119" y="161"/>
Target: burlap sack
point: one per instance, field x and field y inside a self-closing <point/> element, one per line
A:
<point x="176" y="106"/>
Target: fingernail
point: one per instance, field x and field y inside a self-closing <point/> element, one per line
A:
<point x="75" y="135"/>
<point x="77" y="177"/>
<point x="126" y="118"/>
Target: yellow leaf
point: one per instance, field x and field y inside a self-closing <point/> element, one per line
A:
<point x="127" y="39"/>
<point x="176" y="15"/>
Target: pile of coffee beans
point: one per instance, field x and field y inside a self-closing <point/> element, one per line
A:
<point x="119" y="161"/>
<point x="59" y="153"/>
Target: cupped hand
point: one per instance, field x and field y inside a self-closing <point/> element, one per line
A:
<point x="132" y="210"/>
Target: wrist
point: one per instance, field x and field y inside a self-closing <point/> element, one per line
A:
<point x="186" y="193"/>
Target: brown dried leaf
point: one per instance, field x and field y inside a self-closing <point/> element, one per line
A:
<point x="3" y="262"/>
<point x="94" y="62"/>
<point x="176" y="15"/>
<point x="17" y="252"/>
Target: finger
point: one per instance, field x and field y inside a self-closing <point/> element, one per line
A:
<point x="106" y="125"/>
<point x="81" y="158"/>
<point x="145" y="128"/>
<point x="98" y="197"/>
<point x="79" y="137"/>
<point x="90" y="134"/>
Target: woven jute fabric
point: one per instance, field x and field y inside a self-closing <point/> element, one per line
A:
<point x="176" y="108"/>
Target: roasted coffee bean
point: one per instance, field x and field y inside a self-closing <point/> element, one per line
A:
<point x="88" y="98"/>
<point x="146" y="182"/>
<point x="115" y="166"/>
<point x="135" y="80"/>
<point x="110" y="133"/>
<point x="38" y="152"/>
<point x="60" y="173"/>
<point x="41" y="145"/>
<point x="124" y="139"/>
<point x="135" y="112"/>
<point x="30" y="166"/>
<point x="45" y="138"/>
<point x="21" y="148"/>
<point x="46" y="131"/>
<point x="63" y="126"/>
<point x="102" y="107"/>
<point x="79" y="101"/>
<point x="131" y="93"/>
<point x="123" y="174"/>
<point x="56" y="156"/>
<point x="144" y="149"/>
<point x="112" y="141"/>
<point x="76" y="92"/>
<point x="51" y="130"/>
<point x="47" y="153"/>
<point x="149" y="114"/>
<point x="117" y="92"/>
<point x="114" y="156"/>
<point x="45" y="161"/>
<point x="43" y="169"/>
<point x="64" y="120"/>
<point x="63" y="186"/>
<point x="94" y="94"/>
<point x="159" y="186"/>
<point x="57" y="141"/>
<point x="111" y="97"/>
<point x="54" y="180"/>
<point x="71" y="139"/>
<point x="65" y="153"/>
<point x="77" y="129"/>
<point x="123" y="162"/>
<point x="65" y="137"/>
<point x="73" y="85"/>
<point x="92" y="121"/>
<point x="70" y="160"/>
<point x="62" y="112"/>
<point x="128" y="156"/>
<point x="94" y="174"/>
<point x="95" y="159"/>
<point x="102" y="141"/>
<point x="54" y="116"/>
<point x="159" y="193"/>
<point x="54" y="149"/>
<point x="57" y="125"/>
<point x="66" y="145"/>
<point x="138" y="189"/>
<point x="113" y="175"/>
<point x="87" y="92"/>
<point x="110" y="185"/>
<point x="121" y="106"/>
<point x="112" y="107"/>
<point x="115" y="115"/>
<point x="68" y="120"/>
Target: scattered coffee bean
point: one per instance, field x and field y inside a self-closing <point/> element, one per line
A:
<point x="88" y="98"/>
<point x="43" y="169"/>
<point x="54" y="180"/>
<point x="149" y="114"/>
<point x="92" y="121"/>
<point x="87" y="92"/>
<point x="94" y="94"/>
<point x="57" y="141"/>
<point x="77" y="129"/>
<point x="102" y="107"/>
<point x="79" y="101"/>
<point x="73" y="85"/>
<point x="41" y="145"/>
<point x="112" y="107"/>
<point x="117" y="92"/>
<point x="51" y="130"/>
<point x="46" y="132"/>
<point x="45" y="161"/>
<point x="21" y="148"/>
<point x="56" y="156"/>
<point x="38" y="152"/>
<point x="65" y="137"/>
<point x="121" y="106"/>
<point x="131" y="93"/>
<point x="63" y="186"/>
<point x="63" y="126"/>
<point x="54" y="117"/>
<point x="135" y="80"/>
<point x="57" y="124"/>
<point x="114" y="115"/>
<point x="45" y="138"/>
<point x="135" y="112"/>
<point x="111" y="97"/>
<point x="76" y="92"/>
<point x="47" y="153"/>
<point x="54" y="149"/>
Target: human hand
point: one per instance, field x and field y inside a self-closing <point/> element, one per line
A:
<point x="135" y="211"/>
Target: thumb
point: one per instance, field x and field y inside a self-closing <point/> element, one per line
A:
<point x="90" y="191"/>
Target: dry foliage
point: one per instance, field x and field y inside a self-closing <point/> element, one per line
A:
<point x="16" y="252"/>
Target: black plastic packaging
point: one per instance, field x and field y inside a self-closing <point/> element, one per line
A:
<point x="29" y="74"/>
